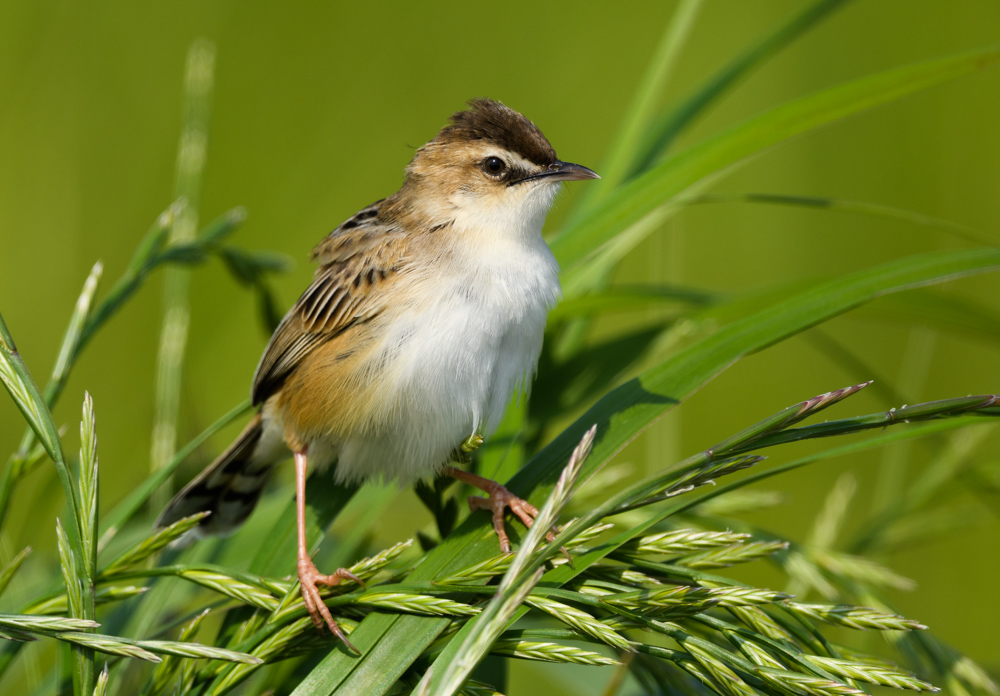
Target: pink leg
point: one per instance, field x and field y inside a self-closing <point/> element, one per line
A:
<point x="309" y="576"/>
<point x="500" y="499"/>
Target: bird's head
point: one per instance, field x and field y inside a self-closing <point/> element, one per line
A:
<point x="490" y="165"/>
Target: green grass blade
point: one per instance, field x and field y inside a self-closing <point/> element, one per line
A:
<point x="131" y="280"/>
<point x="125" y="509"/>
<point x="476" y="643"/>
<point x="77" y="337"/>
<point x="74" y="333"/>
<point x="667" y="130"/>
<point x="455" y="664"/>
<point x="843" y="205"/>
<point x="191" y="155"/>
<point x="76" y="590"/>
<point x="698" y="166"/>
<point x="946" y="313"/>
<point x="985" y="405"/>
<point x="626" y="298"/>
<point x="661" y="134"/>
<point x="390" y="644"/>
<point x="88" y="488"/>
<point x="101" y="688"/>
<point x="624" y="147"/>
<point x="22" y="389"/>
<point x="627" y="410"/>
<point x="8" y="572"/>
<point x="89" y="500"/>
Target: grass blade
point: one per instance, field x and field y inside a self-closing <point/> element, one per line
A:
<point x="83" y="659"/>
<point x="450" y="670"/>
<point x="707" y="161"/>
<point x="843" y="205"/>
<point x="666" y="131"/>
<point x="125" y="509"/>
<point x="22" y="389"/>
<point x="634" y="160"/>
<point x="88" y="492"/>
<point x="74" y="333"/>
<point x="198" y="84"/>
<point x="8" y="572"/>
<point x="151" y="545"/>
<point x="623" y="150"/>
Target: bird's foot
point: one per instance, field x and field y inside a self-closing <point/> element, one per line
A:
<point x="310" y="579"/>
<point x="501" y="499"/>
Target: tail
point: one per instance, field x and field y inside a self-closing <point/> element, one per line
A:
<point x="228" y="488"/>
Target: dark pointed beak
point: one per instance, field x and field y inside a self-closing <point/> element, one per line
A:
<point x="567" y="171"/>
<point x="561" y="171"/>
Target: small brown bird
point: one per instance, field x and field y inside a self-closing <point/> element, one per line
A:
<point x="424" y="317"/>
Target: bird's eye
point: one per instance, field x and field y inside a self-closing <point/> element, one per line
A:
<point x="494" y="166"/>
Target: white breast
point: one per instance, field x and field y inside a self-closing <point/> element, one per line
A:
<point x="458" y="357"/>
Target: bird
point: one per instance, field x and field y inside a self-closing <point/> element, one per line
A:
<point x="425" y="315"/>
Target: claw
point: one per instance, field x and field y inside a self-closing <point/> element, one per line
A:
<point x="309" y="579"/>
<point x="501" y="499"/>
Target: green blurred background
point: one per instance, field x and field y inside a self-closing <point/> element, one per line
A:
<point x="317" y="110"/>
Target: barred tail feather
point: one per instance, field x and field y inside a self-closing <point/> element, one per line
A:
<point x="228" y="488"/>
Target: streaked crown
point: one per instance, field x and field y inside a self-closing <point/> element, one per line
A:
<point x="496" y="124"/>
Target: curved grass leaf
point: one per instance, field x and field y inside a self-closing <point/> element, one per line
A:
<point x="625" y="298"/>
<point x="128" y="506"/>
<point x="24" y="392"/>
<point x="632" y="155"/>
<point x="391" y="643"/>
<point x="947" y="313"/>
<point x="670" y="127"/>
<point x="700" y="165"/>
<point x="473" y="640"/>
<point x="843" y="205"/>
<point x="636" y="120"/>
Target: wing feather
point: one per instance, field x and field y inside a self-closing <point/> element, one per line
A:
<point x="358" y="261"/>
